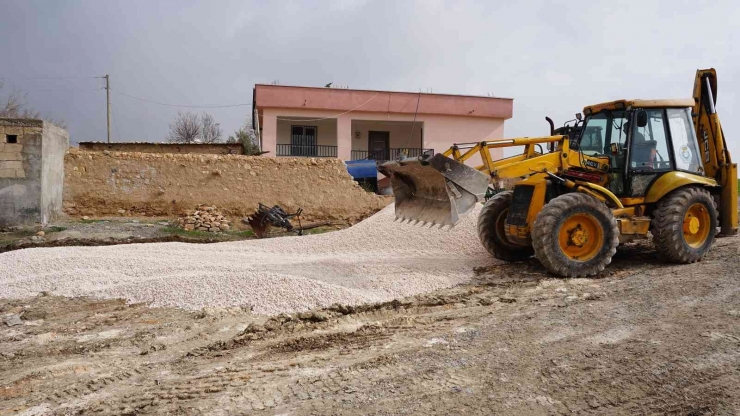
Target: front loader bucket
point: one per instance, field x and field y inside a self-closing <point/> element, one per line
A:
<point x="435" y="189"/>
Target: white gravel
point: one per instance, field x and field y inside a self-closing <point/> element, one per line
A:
<point x="376" y="260"/>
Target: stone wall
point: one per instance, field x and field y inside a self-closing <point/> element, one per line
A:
<point x="122" y="183"/>
<point x="31" y="171"/>
<point x="192" y="148"/>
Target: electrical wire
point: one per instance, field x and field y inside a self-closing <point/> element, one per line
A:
<point x="418" y="99"/>
<point x="66" y="89"/>
<point x="177" y="105"/>
<point x="50" y="77"/>
<point x="330" y="117"/>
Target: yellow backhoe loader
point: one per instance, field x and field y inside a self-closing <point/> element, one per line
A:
<point x="634" y="167"/>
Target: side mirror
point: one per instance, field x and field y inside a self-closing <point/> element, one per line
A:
<point x="642" y="118"/>
<point x="579" y="117"/>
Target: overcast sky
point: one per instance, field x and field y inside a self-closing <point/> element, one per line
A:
<point x="552" y="57"/>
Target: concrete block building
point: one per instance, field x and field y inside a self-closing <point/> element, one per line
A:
<point x="362" y="124"/>
<point x="31" y="171"/>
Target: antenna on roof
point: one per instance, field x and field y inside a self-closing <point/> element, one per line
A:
<point x="328" y="85"/>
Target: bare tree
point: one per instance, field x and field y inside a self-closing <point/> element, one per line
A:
<point x="185" y="129"/>
<point x="247" y="137"/>
<point x="210" y="131"/>
<point x="15" y="105"/>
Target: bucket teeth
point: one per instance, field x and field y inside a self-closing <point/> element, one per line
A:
<point x="434" y="189"/>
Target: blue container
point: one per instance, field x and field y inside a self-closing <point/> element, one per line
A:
<point x="362" y="169"/>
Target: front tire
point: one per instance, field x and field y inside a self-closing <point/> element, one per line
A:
<point x="684" y="225"/>
<point x="492" y="233"/>
<point x="575" y="235"/>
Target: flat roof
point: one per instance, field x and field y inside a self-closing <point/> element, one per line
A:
<point x="355" y="100"/>
<point x="383" y="91"/>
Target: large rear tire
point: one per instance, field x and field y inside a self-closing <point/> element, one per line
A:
<point x="575" y="235"/>
<point x="684" y="225"/>
<point x="491" y="229"/>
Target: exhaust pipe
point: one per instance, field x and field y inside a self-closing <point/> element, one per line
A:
<point x="552" y="126"/>
<point x="551" y="146"/>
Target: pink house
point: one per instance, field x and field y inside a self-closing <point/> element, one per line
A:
<point x="361" y="124"/>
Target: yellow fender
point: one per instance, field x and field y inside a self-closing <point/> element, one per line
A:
<point x="674" y="180"/>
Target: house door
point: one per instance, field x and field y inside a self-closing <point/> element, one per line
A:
<point x="303" y="141"/>
<point x="378" y="145"/>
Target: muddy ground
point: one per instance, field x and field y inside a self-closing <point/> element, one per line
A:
<point x="128" y="230"/>
<point x="645" y="338"/>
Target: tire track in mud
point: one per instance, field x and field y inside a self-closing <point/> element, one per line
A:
<point x="254" y="387"/>
<point x="650" y="338"/>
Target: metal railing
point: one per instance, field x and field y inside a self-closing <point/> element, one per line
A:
<point x="306" y="151"/>
<point x="390" y="154"/>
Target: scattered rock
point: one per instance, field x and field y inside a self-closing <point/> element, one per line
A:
<point x="13" y="320"/>
<point x="204" y="218"/>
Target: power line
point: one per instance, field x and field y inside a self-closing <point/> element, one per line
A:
<point x="49" y="77"/>
<point x="413" y="124"/>
<point x="184" y="106"/>
<point x="65" y="89"/>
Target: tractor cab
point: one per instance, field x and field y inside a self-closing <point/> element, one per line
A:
<point x="643" y="139"/>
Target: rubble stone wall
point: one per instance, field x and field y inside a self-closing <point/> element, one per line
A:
<point x="166" y="184"/>
<point x="194" y="148"/>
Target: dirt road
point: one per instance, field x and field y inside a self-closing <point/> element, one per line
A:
<point x="648" y="337"/>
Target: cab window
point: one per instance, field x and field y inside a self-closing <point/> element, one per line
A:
<point x="601" y="131"/>
<point x="649" y="144"/>
<point x="685" y="146"/>
<point x="593" y="133"/>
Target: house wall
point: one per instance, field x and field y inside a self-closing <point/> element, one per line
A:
<point x="398" y="133"/>
<point x="31" y="171"/>
<point x="327" y="130"/>
<point x="440" y="132"/>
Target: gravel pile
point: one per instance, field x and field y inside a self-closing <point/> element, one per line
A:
<point x="376" y="260"/>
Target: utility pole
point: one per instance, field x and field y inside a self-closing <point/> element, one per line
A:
<point x="107" y="99"/>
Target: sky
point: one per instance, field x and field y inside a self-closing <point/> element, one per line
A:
<point x="552" y="57"/>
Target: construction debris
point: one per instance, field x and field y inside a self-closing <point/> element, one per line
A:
<point x="265" y="217"/>
<point x="205" y="218"/>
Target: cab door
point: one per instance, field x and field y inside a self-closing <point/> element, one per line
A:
<point x="650" y="151"/>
